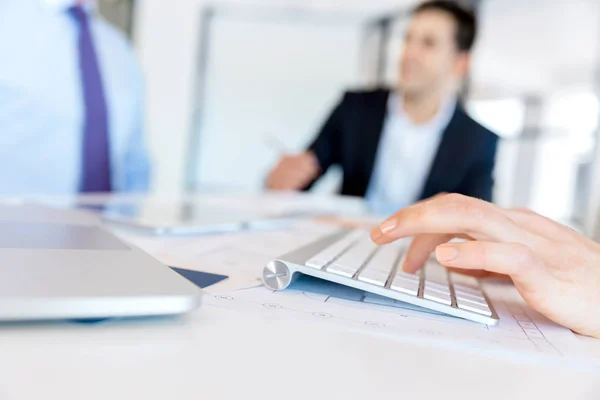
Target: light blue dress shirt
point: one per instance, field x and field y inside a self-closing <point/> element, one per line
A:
<point x="41" y="103"/>
<point x="405" y="156"/>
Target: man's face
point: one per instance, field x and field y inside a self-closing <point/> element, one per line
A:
<point x="430" y="60"/>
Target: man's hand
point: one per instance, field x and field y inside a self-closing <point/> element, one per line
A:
<point x="556" y="270"/>
<point x="294" y="173"/>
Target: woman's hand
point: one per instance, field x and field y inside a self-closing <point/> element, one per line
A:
<point x="556" y="270"/>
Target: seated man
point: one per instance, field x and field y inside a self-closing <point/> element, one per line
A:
<point x="70" y="102"/>
<point x="397" y="147"/>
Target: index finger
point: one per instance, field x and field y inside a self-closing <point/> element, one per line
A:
<point x="451" y="214"/>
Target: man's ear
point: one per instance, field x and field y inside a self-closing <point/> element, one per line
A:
<point x="462" y="65"/>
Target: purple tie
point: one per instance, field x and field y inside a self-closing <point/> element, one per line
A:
<point x="95" y="174"/>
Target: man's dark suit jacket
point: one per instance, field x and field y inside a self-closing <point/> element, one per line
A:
<point x="350" y="138"/>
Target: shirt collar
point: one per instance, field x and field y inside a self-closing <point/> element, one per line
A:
<point x="441" y="119"/>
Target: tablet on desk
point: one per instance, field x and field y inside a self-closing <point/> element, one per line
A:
<point x="189" y="218"/>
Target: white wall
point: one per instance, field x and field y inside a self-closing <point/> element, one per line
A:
<point x="536" y="46"/>
<point x="270" y="80"/>
<point x="166" y="36"/>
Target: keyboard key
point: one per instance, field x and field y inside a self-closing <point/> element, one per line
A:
<point x="437" y="287"/>
<point x="379" y="268"/>
<point x="464" y="280"/>
<point x="437" y="279"/>
<point x="374" y="277"/>
<point x="351" y="261"/>
<point x="468" y="290"/>
<point x="400" y="272"/>
<point x="386" y="258"/>
<point x="482" y="303"/>
<point x="332" y="252"/>
<point x="436" y="273"/>
<point x="342" y="270"/>
<point x="410" y="277"/>
<point x="407" y="286"/>
<point x="438" y="297"/>
<point x="470" y="297"/>
<point x="473" y="307"/>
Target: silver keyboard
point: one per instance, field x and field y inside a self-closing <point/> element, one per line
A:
<point x="350" y="258"/>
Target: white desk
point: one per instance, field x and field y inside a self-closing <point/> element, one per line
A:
<point x="220" y="354"/>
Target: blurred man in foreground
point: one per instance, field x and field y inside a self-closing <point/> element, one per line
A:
<point x="397" y="147"/>
<point x="70" y="102"/>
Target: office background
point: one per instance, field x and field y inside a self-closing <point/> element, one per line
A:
<point x="232" y="84"/>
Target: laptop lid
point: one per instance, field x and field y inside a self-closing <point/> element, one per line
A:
<point x="50" y="269"/>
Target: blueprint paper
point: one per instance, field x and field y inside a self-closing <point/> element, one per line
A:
<point x="521" y="333"/>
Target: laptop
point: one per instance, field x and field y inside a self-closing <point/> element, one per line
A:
<point x="62" y="265"/>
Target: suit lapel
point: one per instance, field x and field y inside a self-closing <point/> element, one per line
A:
<point x="448" y="155"/>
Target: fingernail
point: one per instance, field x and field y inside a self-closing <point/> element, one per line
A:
<point x="388" y="226"/>
<point x="376" y="234"/>
<point x="446" y="253"/>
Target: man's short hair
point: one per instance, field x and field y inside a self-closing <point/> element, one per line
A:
<point x="466" y="22"/>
